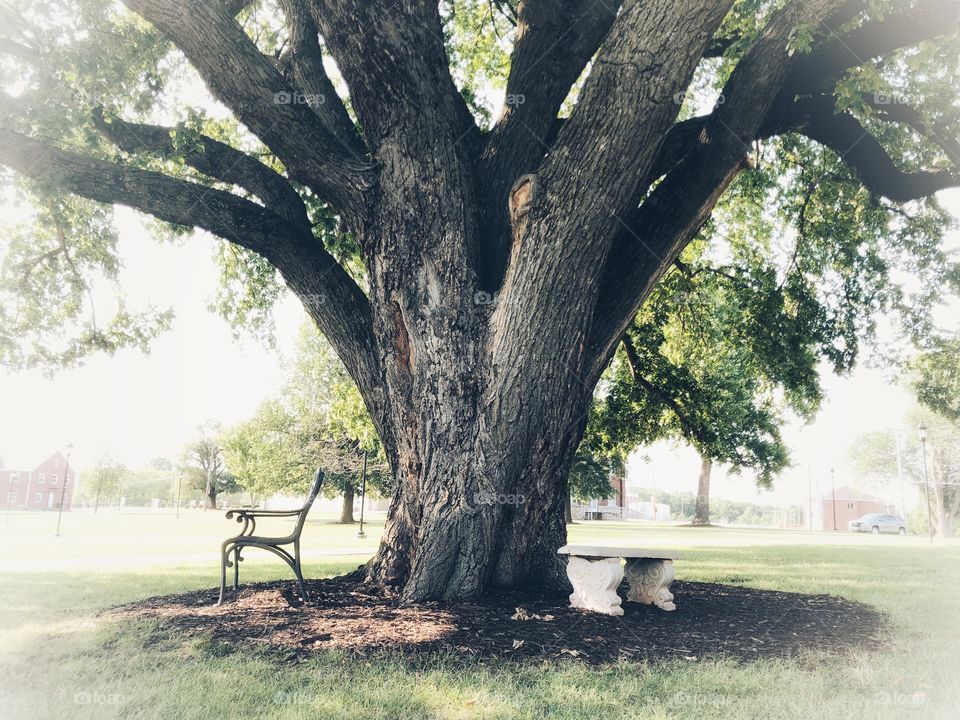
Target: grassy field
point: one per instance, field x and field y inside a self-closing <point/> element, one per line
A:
<point x="59" y="660"/>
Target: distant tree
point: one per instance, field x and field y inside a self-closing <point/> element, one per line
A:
<point x="141" y="486"/>
<point x="162" y="464"/>
<point x="936" y="377"/>
<point x="204" y="468"/>
<point x="104" y="480"/>
<point x="318" y="419"/>
<point x="874" y="459"/>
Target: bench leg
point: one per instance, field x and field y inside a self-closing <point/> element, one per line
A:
<point x="223" y="573"/>
<point x="595" y="584"/>
<point x="650" y="582"/>
<point x="297" y="570"/>
<point x="236" y="569"/>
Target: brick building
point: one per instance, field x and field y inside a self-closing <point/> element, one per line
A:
<point x="850" y="504"/>
<point x="40" y="488"/>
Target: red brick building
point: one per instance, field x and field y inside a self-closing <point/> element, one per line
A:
<point x="40" y="488"/>
<point x="850" y="504"/>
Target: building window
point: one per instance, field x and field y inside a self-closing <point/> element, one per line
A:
<point x="849" y="506"/>
<point x="53" y="479"/>
<point x="40" y="478"/>
<point x="11" y="496"/>
<point x="14" y="478"/>
<point x="38" y="498"/>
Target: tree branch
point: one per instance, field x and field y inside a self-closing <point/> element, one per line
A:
<point x="18" y="50"/>
<point x="393" y="58"/>
<point x="907" y="115"/>
<point x="844" y="134"/>
<point x="330" y="295"/>
<point x="305" y="61"/>
<point x="828" y="62"/>
<point x="653" y="235"/>
<point x="212" y="158"/>
<point x="555" y="41"/>
<point x="633" y="362"/>
<point x="254" y="90"/>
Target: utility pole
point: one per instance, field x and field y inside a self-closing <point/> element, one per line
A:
<point x="833" y="494"/>
<point x="63" y="490"/>
<point x="926" y="478"/>
<point x="179" y="487"/>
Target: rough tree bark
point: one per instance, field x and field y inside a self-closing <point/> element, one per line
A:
<point x="502" y="267"/>
<point x="701" y="513"/>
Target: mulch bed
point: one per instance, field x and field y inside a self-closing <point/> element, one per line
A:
<point x="710" y="621"/>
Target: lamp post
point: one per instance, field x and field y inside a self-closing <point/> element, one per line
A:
<point x="179" y="485"/>
<point x="926" y="478"/>
<point x="363" y="494"/>
<point x="833" y="497"/>
<point x="63" y="490"/>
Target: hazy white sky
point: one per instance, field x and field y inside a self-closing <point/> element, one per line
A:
<point x="137" y="407"/>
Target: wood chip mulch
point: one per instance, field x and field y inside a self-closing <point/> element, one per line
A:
<point x="342" y="614"/>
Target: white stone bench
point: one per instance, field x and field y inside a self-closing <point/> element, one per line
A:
<point x="595" y="573"/>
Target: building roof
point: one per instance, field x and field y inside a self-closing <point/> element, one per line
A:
<point x="845" y="492"/>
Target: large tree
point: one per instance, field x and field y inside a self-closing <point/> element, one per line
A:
<point x="475" y="278"/>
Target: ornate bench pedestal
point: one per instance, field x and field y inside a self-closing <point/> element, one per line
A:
<point x="650" y="580"/>
<point x="596" y="572"/>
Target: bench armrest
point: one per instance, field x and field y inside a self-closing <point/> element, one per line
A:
<point x="249" y="517"/>
<point x="261" y="513"/>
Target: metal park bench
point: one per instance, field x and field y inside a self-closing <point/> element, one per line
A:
<point x="246" y="538"/>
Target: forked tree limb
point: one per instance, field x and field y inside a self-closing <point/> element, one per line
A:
<point x="251" y="86"/>
<point x="211" y="157"/>
<point x="305" y="60"/>
<point x="331" y="296"/>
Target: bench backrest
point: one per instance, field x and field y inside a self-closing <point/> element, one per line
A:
<point x="314" y="491"/>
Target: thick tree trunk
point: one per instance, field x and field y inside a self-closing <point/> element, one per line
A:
<point x="485" y="507"/>
<point x="568" y="510"/>
<point x="211" y="499"/>
<point x="346" y="511"/>
<point x="701" y="513"/>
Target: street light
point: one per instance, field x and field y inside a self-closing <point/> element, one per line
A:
<point x="179" y="485"/>
<point x="926" y="479"/>
<point x="833" y="493"/>
<point x="363" y="494"/>
<point x="63" y="490"/>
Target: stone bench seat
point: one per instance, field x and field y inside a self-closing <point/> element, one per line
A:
<point x="595" y="573"/>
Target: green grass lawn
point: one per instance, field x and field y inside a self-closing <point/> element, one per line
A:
<point x="59" y="660"/>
